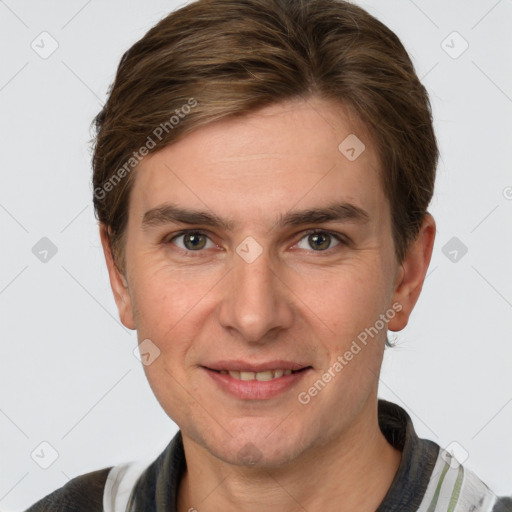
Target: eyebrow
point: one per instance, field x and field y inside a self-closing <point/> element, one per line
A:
<point x="337" y="212"/>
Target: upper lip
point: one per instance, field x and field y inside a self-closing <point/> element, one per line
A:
<point x="239" y="365"/>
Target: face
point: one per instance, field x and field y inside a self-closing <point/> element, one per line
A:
<point x="256" y="244"/>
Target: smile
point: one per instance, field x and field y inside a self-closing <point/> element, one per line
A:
<point x="261" y="376"/>
<point x="261" y="385"/>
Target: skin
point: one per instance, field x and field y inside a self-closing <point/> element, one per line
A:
<point x="293" y="302"/>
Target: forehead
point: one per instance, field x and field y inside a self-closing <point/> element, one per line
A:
<point x="262" y="164"/>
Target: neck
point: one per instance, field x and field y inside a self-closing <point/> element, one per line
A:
<point x="351" y="472"/>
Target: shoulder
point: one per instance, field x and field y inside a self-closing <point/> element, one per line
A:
<point x="81" y="494"/>
<point x="503" y="505"/>
<point x="453" y="486"/>
<point x="111" y="489"/>
<point x="430" y="478"/>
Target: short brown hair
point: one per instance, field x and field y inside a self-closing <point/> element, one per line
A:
<point x="214" y="59"/>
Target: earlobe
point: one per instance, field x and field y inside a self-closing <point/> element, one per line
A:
<point x="412" y="272"/>
<point x="118" y="282"/>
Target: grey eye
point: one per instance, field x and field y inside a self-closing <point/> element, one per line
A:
<point x="192" y="241"/>
<point x="320" y="241"/>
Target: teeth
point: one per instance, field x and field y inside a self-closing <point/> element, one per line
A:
<point x="261" y="376"/>
<point x="264" y="375"/>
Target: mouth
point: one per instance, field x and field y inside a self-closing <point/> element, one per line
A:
<point x="246" y="383"/>
<point x="263" y="376"/>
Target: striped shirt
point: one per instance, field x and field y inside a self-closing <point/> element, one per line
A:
<point x="429" y="479"/>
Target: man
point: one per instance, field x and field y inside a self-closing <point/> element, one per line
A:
<point x="262" y="173"/>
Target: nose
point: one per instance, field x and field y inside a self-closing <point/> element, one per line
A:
<point x="256" y="303"/>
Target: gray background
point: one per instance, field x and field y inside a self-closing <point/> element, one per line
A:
<point x="68" y="376"/>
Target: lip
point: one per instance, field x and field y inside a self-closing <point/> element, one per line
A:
<point x="255" y="389"/>
<point x="239" y="365"/>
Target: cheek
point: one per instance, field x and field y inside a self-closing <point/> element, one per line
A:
<point x="165" y="315"/>
<point x="361" y="327"/>
<point x="346" y="299"/>
<point x="172" y="307"/>
<point x="163" y="296"/>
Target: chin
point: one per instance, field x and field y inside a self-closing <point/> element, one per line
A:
<point x="254" y="455"/>
<point x="258" y="447"/>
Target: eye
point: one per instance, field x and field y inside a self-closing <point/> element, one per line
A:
<point x="320" y="241"/>
<point x="192" y="241"/>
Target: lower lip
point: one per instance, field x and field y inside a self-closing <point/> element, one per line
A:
<point x="256" y="389"/>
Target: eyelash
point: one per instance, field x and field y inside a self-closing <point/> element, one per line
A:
<point x="342" y="239"/>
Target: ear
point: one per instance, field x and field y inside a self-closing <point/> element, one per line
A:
<point x="118" y="282"/>
<point x="411" y="274"/>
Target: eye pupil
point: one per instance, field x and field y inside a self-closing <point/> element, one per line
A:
<point x="319" y="240"/>
<point x="194" y="241"/>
